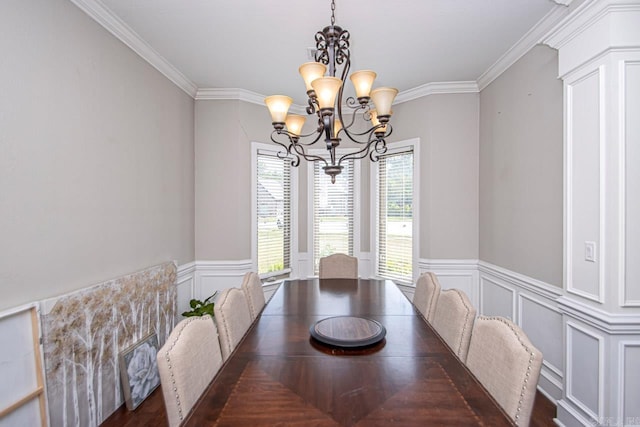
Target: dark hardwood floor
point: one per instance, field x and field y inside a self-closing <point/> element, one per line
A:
<point x="151" y="413"/>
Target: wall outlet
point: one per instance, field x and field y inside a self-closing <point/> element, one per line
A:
<point x="590" y="251"/>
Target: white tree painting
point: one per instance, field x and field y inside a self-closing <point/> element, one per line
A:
<point x="85" y="332"/>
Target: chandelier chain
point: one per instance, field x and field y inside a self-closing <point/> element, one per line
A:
<point x="333" y="12"/>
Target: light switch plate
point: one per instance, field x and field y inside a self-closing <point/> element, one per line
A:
<point x="590" y="251"/>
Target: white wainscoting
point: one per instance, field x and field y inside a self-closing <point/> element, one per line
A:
<point x="305" y="265"/>
<point x="200" y="279"/>
<point x="629" y="374"/>
<point x="365" y="265"/>
<point x="531" y="304"/>
<point x="602" y="384"/>
<point x="585" y="368"/>
<point x="185" y="284"/>
<point x="455" y="274"/>
<point x="212" y="276"/>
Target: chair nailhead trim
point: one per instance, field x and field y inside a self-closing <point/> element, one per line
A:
<point x="531" y="357"/>
<point x="222" y="316"/>
<point x="466" y="320"/>
<point x="170" y="366"/>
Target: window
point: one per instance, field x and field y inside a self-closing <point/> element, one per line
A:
<point x="395" y="214"/>
<point x="273" y="213"/>
<point x="333" y="212"/>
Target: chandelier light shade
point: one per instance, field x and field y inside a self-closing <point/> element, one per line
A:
<point x="294" y="124"/>
<point x="278" y="107"/>
<point x="362" y="82"/>
<point x="383" y="98"/>
<point x="326" y="89"/>
<point x="374" y="120"/>
<point x="311" y="71"/>
<point x="325" y="101"/>
<point x="337" y="127"/>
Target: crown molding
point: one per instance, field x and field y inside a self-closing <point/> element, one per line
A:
<point x="239" y="94"/>
<point x="584" y="17"/>
<point x="103" y="16"/>
<point x="217" y="94"/>
<point x="522" y="46"/>
<point x="436" y="88"/>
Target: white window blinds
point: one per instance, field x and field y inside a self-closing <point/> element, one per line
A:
<point x="273" y="213"/>
<point x="333" y="217"/>
<point x="395" y="214"/>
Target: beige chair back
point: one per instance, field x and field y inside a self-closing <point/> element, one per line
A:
<point x="232" y="318"/>
<point x="453" y="320"/>
<point x="338" y="266"/>
<point x="187" y="363"/>
<point x="252" y="288"/>
<point x="507" y="364"/>
<point x="426" y="295"/>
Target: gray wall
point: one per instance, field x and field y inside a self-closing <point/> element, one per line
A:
<point x="447" y="126"/>
<point x="96" y="156"/>
<point x="521" y="168"/>
<point x="224" y="131"/>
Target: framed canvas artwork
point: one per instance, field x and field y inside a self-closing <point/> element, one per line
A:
<point x="139" y="371"/>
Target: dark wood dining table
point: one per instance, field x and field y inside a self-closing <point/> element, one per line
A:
<point x="279" y="375"/>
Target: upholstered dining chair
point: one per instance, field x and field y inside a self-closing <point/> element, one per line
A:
<point x="252" y="288"/>
<point x="338" y="266"/>
<point x="187" y="363"/>
<point x="232" y="318"/>
<point x="507" y="364"/>
<point x="453" y="320"/>
<point x="426" y="295"/>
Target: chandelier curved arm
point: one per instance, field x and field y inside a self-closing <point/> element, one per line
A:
<point x="379" y="149"/>
<point x="318" y="133"/>
<point x="364" y="151"/>
<point x="351" y="103"/>
<point x="299" y="151"/>
<point x="311" y="108"/>
<point x="295" y="150"/>
<point x="371" y="131"/>
<point x="295" y="159"/>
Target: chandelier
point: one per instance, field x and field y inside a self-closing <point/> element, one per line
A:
<point x="325" y="101"/>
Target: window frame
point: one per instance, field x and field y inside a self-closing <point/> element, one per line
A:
<point x="293" y="235"/>
<point x="396" y="147"/>
<point x="357" y="189"/>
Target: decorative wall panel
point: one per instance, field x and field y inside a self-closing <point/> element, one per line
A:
<point x="585" y="369"/>
<point x="497" y="299"/>
<point x="85" y="331"/>
<point x="631" y="160"/>
<point x="543" y="324"/>
<point x="630" y="382"/>
<point x="584" y="175"/>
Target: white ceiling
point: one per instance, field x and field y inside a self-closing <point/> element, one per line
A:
<point x="258" y="45"/>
